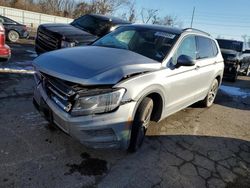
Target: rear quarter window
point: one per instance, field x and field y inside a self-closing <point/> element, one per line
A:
<point x="215" y="48"/>
<point x="205" y="48"/>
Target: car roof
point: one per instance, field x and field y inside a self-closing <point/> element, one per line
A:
<point x="157" y="27"/>
<point x="4" y="17"/>
<point x="230" y="40"/>
<point x="8" y="18"/>
<point x="169" y="29"/>
<point x="110" y="18"/>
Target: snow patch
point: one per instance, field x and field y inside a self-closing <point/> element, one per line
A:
<point x="235" y="91"/>
<point x="24" y="70"/>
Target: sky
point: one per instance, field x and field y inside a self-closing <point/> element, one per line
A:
<point x="228" y="19"/>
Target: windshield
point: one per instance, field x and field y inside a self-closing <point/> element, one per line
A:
<point x="92" y="25"/>
<point x="151" y="43"/>
<point x="231" y="45"/>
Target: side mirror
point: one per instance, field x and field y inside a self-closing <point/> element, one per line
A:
<point x="184" y="60"/>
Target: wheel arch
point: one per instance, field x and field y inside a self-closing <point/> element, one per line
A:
<point x="159" y="102"/>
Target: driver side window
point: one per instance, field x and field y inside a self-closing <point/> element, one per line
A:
<point x="187" y="47"/>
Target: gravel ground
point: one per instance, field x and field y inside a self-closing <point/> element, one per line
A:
<point x="195" y="147"/>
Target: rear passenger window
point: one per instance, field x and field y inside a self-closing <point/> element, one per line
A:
<point x="205" y="47"/>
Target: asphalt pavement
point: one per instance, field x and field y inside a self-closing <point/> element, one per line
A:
<point x="196" y="147"/>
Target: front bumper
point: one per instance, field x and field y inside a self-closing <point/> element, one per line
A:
<point x="109" y="130"/>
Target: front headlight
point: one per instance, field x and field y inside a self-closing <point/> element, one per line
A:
<point x="65" y="44"/>
<point x="98" y="103"/>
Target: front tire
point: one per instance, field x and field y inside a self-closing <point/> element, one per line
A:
<point x="140" y="124"/>
<point x="13" y="36"/>
<point x="209" y="100"/>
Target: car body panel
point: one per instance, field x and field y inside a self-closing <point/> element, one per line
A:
<point x="80" y="65"/>
<point x="68" y="32"/>
<point x="72" y="33"/>
<point x="178" y="86"/>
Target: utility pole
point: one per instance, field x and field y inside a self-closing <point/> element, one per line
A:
<point x="192" y="17"/>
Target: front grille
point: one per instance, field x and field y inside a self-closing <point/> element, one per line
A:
<point x="59" y="91"/>
<point x="46" y="41"/>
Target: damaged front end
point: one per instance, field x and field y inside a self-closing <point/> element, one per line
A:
<point x="78" y="100"/>
<point x="94" y="115"/>
<point x="80" y="93"/>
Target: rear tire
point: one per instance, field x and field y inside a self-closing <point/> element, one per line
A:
<point x="209" y="100"/>
<point x="13" y="36"/>
<point x="140" y="124"/>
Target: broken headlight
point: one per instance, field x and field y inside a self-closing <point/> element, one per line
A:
<point x="98" y="103"/>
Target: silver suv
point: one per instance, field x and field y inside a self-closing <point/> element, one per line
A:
<point x="106" y="94"/>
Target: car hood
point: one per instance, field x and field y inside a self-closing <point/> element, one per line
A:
<point x="68" y="32"/>
<point x="94" y="65"/>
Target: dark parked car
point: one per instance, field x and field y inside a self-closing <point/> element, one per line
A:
<point x="236" y="60"/>
<point x="82" y="31"/>
<point x="14" y="30"/>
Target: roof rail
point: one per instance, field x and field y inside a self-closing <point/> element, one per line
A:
<point x="192" y="29"/>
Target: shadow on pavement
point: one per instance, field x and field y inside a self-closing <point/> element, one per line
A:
<point x="232" y="101"/>
<point x="184" y="161"/>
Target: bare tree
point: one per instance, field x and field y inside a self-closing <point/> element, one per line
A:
<point x="109" y="6"/>
<point x="169" y="20"/>
<point x="130" y="13"/>
<point x="83" y="8"/>
<point x="149" y="15"/>
<point x="99" y="6"/>
<point x="69" y="6"/>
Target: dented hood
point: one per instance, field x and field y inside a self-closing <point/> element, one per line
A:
<point x="93" y="65"/>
